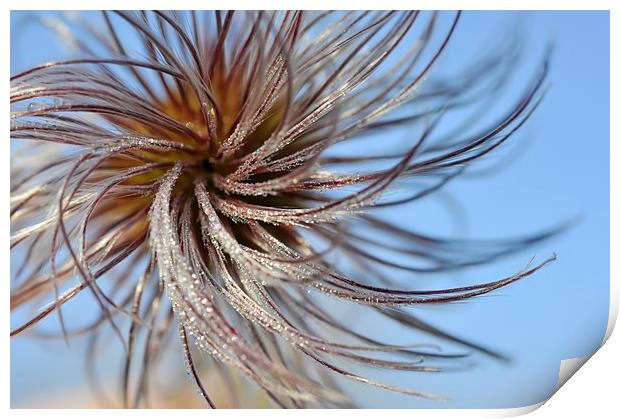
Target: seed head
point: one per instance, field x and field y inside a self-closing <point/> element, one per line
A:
<point x="207" y="172"/>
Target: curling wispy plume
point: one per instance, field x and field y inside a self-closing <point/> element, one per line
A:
<point x="186" y="170"/>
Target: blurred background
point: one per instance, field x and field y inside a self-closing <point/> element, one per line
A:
<point x="555" y="170"/>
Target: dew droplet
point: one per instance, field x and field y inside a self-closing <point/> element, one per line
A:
<point x="35" y="106"/>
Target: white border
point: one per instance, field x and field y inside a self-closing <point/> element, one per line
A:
<point x="316" y="4"/>
<point x="593" y="393"/>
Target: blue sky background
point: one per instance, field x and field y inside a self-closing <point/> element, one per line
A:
<point x="556" y="169"/>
